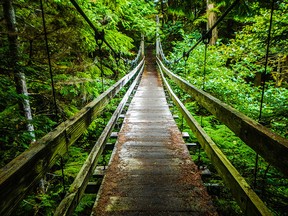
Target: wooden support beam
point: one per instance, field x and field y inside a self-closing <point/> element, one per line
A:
<point x="175" y="117"/>
<point x="122" y="116"/>
<point x="92" y="188"/>
<point x="114" y="135"/>
<point x="272" y="147"/>
<point x="77" y="189"/>
<point x="185" y="135"/>
<point x="247" y="199"/>
<point x="191" y="144"/>
<point x="109" y="146"/>
<point x="99" y="171"/>
<point x="25" y="171"/>
<point x="206" y="172"/>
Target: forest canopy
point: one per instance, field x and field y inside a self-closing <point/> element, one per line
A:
<point x="77" y="61"/>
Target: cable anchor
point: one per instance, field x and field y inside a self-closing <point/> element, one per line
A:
<point x="206" y="37"/>
<point x="99" y="38"/>
<point x="117" y="57"/>
<point x="185" y="56"/>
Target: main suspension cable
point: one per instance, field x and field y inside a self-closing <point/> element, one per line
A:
<point x="49" y="59"/>
<point x="91" y="24"/>
<point x="211" y="29"/>
<point x="63" y="175"/>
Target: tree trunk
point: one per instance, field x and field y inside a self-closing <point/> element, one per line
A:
<point x="19" y="77"/>
<point x="212" y="18"/>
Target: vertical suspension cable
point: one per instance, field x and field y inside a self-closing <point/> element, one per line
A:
<point x="49" y="59"/>
<point x="266" y="60"/>
<point x="264" y="85"/>
<point x="63" y="176"/>
<point x="206" y="42"/>
<point x="99" y="42"/>
<point x="185" y="66"/>
<point x="102" y="75"/>
<point x="204" y="72"/>
<point x="204" y="67"/>
<point x="185" y="71"/>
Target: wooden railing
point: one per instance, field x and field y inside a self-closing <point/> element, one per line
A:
<point x="77" y="188"/>
<point x="272" y="147"/>
<point x="19" y="176"/>
<point x="247" y="199"/>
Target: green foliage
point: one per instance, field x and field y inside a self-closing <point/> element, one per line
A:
<point x="231" y="84"/>
<point x="76" y="61"/>
<point x="233" y="66"/>
<point x="233" y="74"/>
<point x="80" y="68"/>
<point x="85" y="206"/>
<point x="41" y="204"/>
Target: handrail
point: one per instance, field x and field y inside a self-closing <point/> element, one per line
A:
<point x="24" y="172"/>
<point x="77" y="188"/>
<point x="247" y="199"/>
<point x="167" y="62"/>
<point x="272" y="147"/>
<point x="133" y="62"/>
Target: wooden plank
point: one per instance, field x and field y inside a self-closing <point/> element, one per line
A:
<point x="175" y="116"/>
<point x="25" y="171"/>
<point x="77" y="189"/>
<point x="191" y="144"/>
<point x="247" y="199"/>
<point x="99" y="171"/>
<point x="185" y="135"/>
<point x="269" y="145"/>
<point x="109" y="146"/>
<point x="114" y="135"/>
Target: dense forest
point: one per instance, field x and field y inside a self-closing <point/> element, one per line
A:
<point x="52" y="64"/>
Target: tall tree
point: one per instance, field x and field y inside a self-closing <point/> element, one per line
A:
<point x="212" y="17"/>
<point x="19" y="77"/>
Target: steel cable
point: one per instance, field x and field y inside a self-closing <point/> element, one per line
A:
<point x="97" y="33"/>
<point x="209" y="32"/>
<point x="166" y="61"/>
<point x="264" y="85"/>
<point x="49" y="59"/>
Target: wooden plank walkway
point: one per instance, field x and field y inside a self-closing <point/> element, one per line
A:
<point x="151" y="172"/>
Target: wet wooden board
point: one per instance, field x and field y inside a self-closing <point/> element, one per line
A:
<point x="151" y="172"/>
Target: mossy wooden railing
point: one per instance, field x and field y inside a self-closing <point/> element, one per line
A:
<point x="19" y="176"/>
<point x="77" y="188"/>
<point x="247" y="199"/>
<point x="272" y="147"/>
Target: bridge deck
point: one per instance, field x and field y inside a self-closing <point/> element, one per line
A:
<point x="151" y="172"/>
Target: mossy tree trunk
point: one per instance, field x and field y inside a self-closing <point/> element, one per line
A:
<point x="19" y="77"/>
<point x="212" y="18"/>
